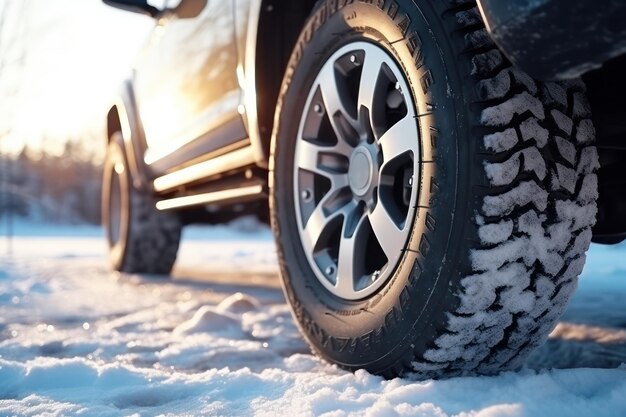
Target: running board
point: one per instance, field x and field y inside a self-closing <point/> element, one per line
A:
<point x="203" y="170"/>
<point x="235" y="195"/>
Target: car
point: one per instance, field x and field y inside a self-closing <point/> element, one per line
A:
<point x="431" y="170"/>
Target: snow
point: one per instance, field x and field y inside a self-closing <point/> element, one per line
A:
<point x="524" y="79"/>
<point x="530" y="129"/>
<point x="502" y="114"/>
<point x="495" y="87"/>
<point x="507" y="139"/>
<point x="525" y="193"/>
<point x="589" y="161"/>
<point x="501" y="141"/>
<point x="567" y="177"/>
<point x="582" y="108"/>
<point x="566" y="149"/>
<point x="556" y="91"/>
<point x="563" y="122"/>
<point x="585" y="132"/>
<point x="504" y="173"/>
<point x="495" y="232"/>
<point x="498" y="87"/>
<point x="218" y="339"/>
<point x="487" y="62"/>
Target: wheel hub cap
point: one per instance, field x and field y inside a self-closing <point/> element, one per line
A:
<point x="361" y="171"/>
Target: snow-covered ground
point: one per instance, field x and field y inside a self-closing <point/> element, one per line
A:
<point x="218" y="339"/>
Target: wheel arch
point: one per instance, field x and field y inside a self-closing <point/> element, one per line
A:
<point x="122" y="117"/>
<point x="274" y="29"/>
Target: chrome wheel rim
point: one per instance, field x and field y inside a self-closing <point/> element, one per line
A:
<point x="356" y="169"/>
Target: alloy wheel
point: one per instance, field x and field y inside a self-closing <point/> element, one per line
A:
<point x="356" y="170"/>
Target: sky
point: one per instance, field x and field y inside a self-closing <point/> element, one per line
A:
<point x="63" y="61"/>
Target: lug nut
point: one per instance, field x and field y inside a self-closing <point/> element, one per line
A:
<point x="330" y="270"/>
<point x="306" y="195"/>
<point x="318" y="109"/>
<point x="355" y="60"/>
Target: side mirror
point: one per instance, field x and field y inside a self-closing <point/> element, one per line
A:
<point x="136" y="6"/>
<point x="188" y="9"/>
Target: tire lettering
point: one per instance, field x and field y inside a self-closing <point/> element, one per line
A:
<point x="430" y="222"/>
<point x="426" y="81"/>
<point x="377" y="3"/>
<point x="392" y="11"/>
<point x="424" y="245"/>
<point x="354" y="345"/>
<point x="307" y="34"/>
<point x="434" y="188"/>
<point x="331" y="7"/>
<point x="339" y="343"/>
<point x="404" y="24"/>
<point x="366" y="341"/>
<point x="405" y="298"/>
<point x="416" y="273"/>
<point x="319" y="20"/>
<point x="390" y="319"/>
<point x="414" y="43"/>
<point x="323" y="338"/>
<point x="377" y="338"/>
<point x="433" y="139"/>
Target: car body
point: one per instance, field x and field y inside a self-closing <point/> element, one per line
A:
<point x="231" y="126"/>
<point x="169" y="125"/>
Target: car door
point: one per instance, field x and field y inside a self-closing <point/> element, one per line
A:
<point x="186" y="85"/>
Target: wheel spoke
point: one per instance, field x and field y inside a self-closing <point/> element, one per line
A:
<point x="341" y="119"/>
<point x="370" y="74"/>
<point x="321" y="218"/>
<point x="309" y="154"/>
<point x="389" y="235"/>
<point x="349" y="257"/>
<point x="330" y="93"/>
<point x="316" y="224"/>
<point x="309" y="159"/>
<point x="399" y="139"/>
<point x="345" y="270"/>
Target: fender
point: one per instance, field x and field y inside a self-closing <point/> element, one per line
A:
<point x="123" y="117"/>
<point x="263" y="58"/>
<point x="249" y="59"/>
<point x="568" y="38"/>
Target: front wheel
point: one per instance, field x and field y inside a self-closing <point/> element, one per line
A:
<point x="432" y="204"/>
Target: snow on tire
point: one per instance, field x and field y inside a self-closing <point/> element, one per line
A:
<point x="506" y="191"/>
<point x="535" y="229"/>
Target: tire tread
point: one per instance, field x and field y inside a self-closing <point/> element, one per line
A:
<point x="542" y="189"/>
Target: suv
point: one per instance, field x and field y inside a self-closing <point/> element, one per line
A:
<point x="430" y="169"/>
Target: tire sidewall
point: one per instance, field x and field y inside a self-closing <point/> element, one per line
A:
<point x="114" y="156"/>
<point x="406" y="312"/>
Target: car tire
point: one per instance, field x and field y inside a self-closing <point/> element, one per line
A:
<point x="141" y="239"/>
<point x="492" y="207"/>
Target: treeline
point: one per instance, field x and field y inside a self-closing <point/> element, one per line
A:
<point x="51" y="188"/>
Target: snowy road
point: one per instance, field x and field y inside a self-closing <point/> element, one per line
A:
<point x="218" y="339"/>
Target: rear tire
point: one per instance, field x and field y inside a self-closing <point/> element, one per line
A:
<point x="502" y="199"/>
<point x="141" y="238"/>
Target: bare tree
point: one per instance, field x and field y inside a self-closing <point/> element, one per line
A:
<point x="12" y="60"/>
